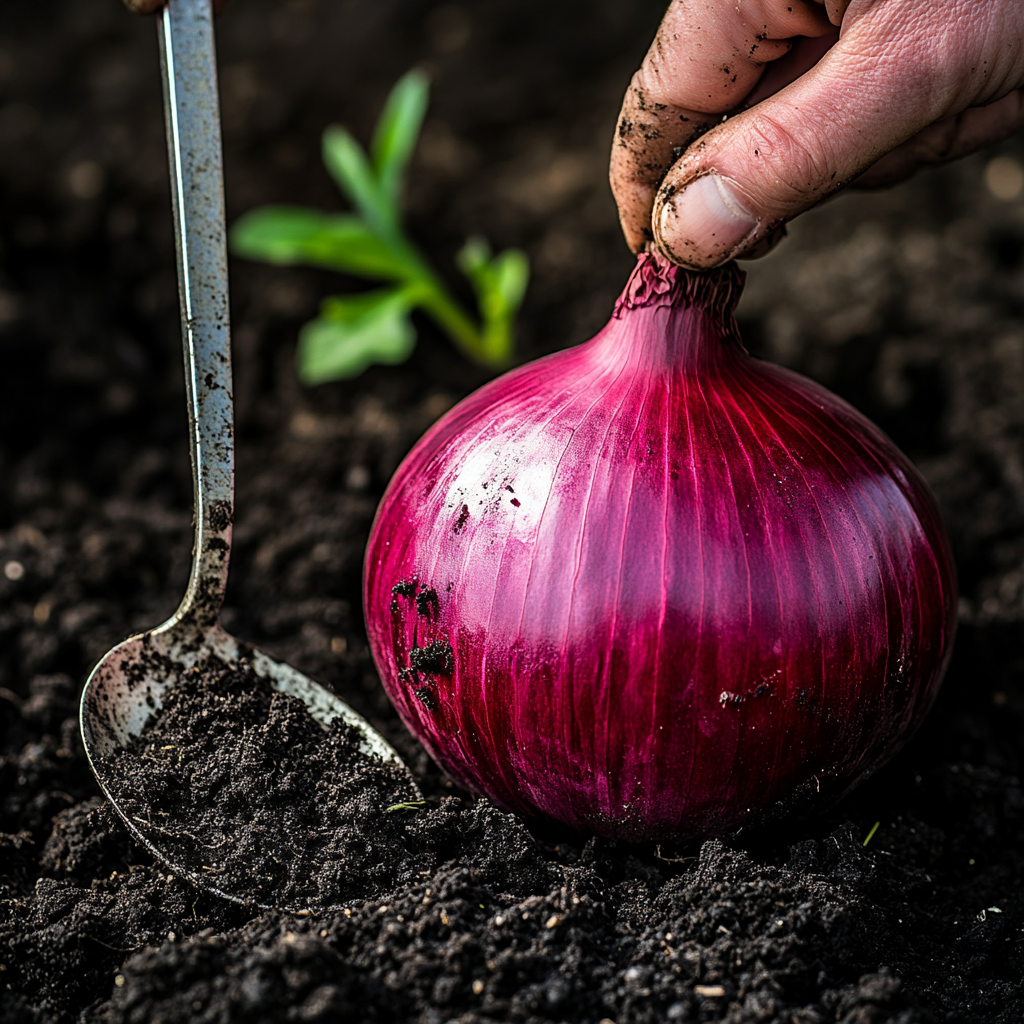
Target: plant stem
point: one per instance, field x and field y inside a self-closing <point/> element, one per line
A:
<point x="449" y="316"/>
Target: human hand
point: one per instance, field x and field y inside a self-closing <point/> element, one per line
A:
<point x="152" y="6"/>
<point x="904" y="84"/>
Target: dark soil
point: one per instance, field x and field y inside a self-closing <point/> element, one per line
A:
<point x="239" y="785"/>
<point x="908" y="303"/>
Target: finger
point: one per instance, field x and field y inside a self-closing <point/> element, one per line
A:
<point x="705" y="59"/>
<point x="867" y="96"/>
<point x="788" y="68"/>
<point x="948" y="140"/>
<point x="835" y="9"/>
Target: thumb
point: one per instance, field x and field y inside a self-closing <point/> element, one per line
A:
<point x="732" y="191"/>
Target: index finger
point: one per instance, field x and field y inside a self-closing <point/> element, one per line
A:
<point x="705" y="60"/>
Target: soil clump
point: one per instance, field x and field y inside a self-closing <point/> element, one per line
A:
<point x="241" y="786"/>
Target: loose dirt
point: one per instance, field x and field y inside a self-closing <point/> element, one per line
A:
<point x="240" y="786"/>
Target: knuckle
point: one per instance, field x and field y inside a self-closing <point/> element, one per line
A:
<point x="940" y="141"/>
<point x="797" y="165"/>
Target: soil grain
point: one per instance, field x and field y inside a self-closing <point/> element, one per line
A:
<point x="239" y="785"/>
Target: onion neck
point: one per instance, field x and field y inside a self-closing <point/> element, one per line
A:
<point x="675" y="317"/>
<point x="656" y="282"/>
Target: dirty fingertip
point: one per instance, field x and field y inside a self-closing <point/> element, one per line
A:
<point x="703" y="224"/>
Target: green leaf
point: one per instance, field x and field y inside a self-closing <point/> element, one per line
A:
<point x="347" y="163"/>
<point x="354" y="331"/>
<point x="511" y="271"/>
<point x="397" y="131"/>
<point x="293" y="234"/>
<point x="500" y="284"/>
<point x="473" y="258"/>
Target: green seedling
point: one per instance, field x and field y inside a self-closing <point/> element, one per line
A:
<point x="408" y="805"/>
<point x="354" y="331"/>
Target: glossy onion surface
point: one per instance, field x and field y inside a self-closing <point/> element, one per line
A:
<point x="655" y="588"/>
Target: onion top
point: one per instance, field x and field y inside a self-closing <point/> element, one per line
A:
<point x="655" y="588"/>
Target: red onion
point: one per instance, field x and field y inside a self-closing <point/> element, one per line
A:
<point x="655" y="588"/>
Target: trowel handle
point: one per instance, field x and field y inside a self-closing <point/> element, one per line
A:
<point x="192" y="112"/>
<point x="152" y="6"/>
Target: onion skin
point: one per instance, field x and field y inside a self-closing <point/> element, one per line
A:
<point x="656" y="589"/>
